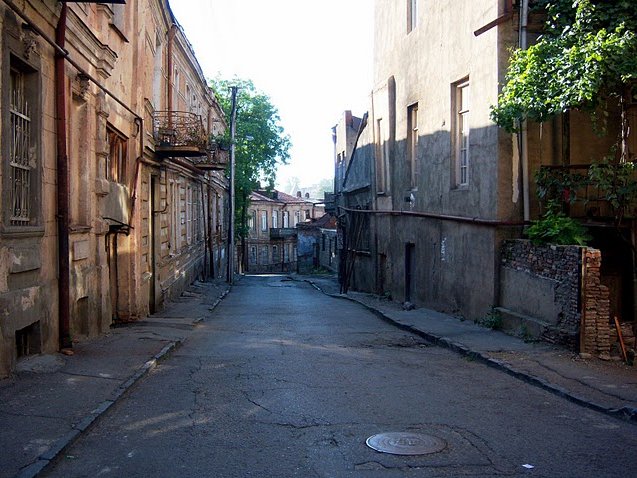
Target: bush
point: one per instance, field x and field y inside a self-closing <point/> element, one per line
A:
<point x="557" y="228"/>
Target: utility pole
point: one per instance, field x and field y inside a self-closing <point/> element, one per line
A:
<point x="233" y="124"/>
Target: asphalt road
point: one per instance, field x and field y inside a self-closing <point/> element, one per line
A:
<point x="283" y="381"/>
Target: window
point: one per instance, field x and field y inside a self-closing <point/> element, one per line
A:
<point x="323" y="244"/>
<point x="275" y="219"/>
<point x="22" y="155"/>
<point x="461" y="132"/>
<point x="252" y="223"/>
<point x="286" y="219"/>
<point x="264" y="221"/>
<point x="412" y="15"/>
<point x="264" y="255"/>
<point x="117" y="154"/>
<point x="275" y="254"/>
<point x="253" y="254"/>
<point x="412" y="145"/>
<point x="297" y="217"/>
<point x="119" y="18"/>
<point x="189" y="215"/>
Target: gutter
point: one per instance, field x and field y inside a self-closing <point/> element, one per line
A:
<point x="63" y="202"/>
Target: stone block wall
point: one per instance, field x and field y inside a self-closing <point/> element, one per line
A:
<point x="561" y="267"/>
<point x="581" y="300"/>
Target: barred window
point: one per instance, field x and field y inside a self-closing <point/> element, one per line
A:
<point x="21" y="152"/>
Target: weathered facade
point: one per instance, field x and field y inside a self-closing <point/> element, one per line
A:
<point x="434" y="186"/>
<point x="100" y="171"/>
<point x="271" y="245"/>
<point x="316" y="245"/>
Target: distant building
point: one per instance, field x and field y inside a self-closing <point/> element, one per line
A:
<point x="271" y="245"/>
<point x="317" y="245"/>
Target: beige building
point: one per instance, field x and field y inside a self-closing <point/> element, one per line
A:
<point x="433" y="186"/>
<point x="271" y="245"/>
<point x="113" y="197"/>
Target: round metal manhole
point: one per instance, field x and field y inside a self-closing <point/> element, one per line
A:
<point x="403" y="443"/>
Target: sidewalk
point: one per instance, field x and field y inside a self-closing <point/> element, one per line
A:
<point x="52" y="399"/>
<point x="606" y="386"/>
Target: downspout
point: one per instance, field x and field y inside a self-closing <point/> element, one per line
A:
<point x="62" y="189"/>
<point x="523" y="137"/>
<point x="206" y="221"/>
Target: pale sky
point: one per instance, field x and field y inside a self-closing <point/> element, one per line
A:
<point x="313" y="58"/>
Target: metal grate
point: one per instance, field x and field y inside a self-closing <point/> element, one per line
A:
<point x="20" y="155"/>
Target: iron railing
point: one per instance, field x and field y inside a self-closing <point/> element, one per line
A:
<point x="179" y="133"/>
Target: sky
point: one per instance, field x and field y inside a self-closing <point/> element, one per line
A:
<point x="312" y="58"/>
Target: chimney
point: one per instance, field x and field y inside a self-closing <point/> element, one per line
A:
<point x="307" y="195"/>
<point x="298" y="194"/>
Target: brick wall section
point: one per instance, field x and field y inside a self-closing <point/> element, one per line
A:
<point x="562" y="264"/>
<point x="595" y="332"/>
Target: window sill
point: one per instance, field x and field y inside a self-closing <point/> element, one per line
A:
<point x="15" y="232"/>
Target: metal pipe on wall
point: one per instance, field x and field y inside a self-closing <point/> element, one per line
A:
<point x="62" y="172"/>
<point x="523" y="135"/>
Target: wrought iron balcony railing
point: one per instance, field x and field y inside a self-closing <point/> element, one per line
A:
<point x="179" y="134"/>
<point x="215" y="159"/>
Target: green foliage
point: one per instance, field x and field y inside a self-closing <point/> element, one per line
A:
<point x="587" y="54"/>
<point x="613" y="182"/>
<point x="493" y="320"/>
<point x="617" y="180"/>
<point x="557" y="228"/>
<point x="261" y="143"/>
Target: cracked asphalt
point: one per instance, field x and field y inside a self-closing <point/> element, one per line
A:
<point x="284" y="381"/>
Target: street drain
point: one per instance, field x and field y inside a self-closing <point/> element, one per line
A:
<point x="403" y="443"/>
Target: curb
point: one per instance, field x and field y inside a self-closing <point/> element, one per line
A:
<point x="624" y="413"/>
<point x="53" y="453"/>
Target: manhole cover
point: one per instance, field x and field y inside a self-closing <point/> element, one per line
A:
<point x="402" y="443"/>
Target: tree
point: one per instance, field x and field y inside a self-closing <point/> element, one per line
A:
<point x="261" y="144"/>
<point x="586" y="58"/>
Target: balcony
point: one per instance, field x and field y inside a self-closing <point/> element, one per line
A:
<point x="584" y="196"/>
<point x="282" y="233"/>
<point x="215" y="159"/>
<point x="179" y="134"/>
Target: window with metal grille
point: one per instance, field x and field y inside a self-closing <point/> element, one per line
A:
<point x="21" y="152"/>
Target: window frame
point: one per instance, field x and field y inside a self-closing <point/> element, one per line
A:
<point x="412" y="15"/>
<point x="264" y="221"/>
<point x="412" y="146"/>
<point x="461" y="133"/>
<point x="30" y="72"/>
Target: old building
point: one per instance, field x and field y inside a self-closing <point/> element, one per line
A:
<point x="271" y="245"/>
<point x="432" y="186"/>
<point x="316" y="245"/>
<point x="113" y="196"/>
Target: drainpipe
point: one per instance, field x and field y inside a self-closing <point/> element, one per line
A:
<point x="62" y="189"/>
<point x="523" y="134"/>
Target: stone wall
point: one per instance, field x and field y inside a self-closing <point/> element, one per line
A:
<point x="556" y="285"/>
